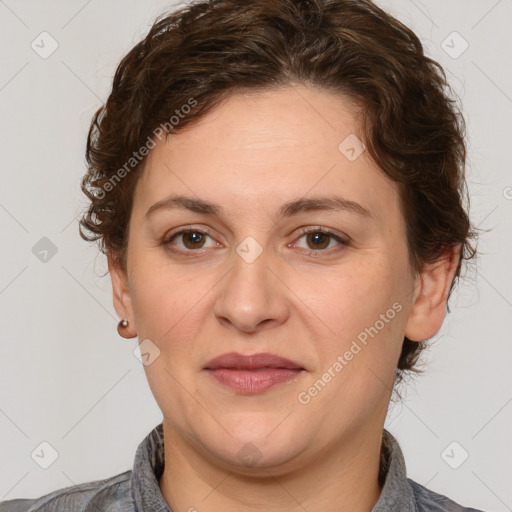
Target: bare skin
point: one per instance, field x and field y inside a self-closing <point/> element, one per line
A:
<point x="303" y="298"/>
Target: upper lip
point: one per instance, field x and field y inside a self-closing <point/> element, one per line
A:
<point x="238" y="361"/>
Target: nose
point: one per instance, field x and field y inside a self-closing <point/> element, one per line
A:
<point x="252" y="296"/>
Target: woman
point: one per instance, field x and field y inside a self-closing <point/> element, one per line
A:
<point x="278" y="188"/>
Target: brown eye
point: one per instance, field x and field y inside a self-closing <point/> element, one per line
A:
<point x="191" y="240"/>
<point x="318" y="240"/>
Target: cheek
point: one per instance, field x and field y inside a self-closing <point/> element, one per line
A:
<point x="357" y="362"/>
<point x="164" y="301"/>
<point x="364" y="310"/>
<point x="169" y="310"/>
<point x="169" y="303"/>
<point x="356" y="296"/>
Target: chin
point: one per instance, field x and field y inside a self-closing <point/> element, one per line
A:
<point x="256" y="446"/>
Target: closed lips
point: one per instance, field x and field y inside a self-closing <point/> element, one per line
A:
<point x="236" y="361"/>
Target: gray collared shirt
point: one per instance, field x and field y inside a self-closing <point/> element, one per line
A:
<point x="138" y="490"/>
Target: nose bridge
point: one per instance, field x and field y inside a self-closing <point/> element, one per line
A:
<point x="251" y="293"/>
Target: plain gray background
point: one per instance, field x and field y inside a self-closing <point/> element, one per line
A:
<point x="68" y="379"/>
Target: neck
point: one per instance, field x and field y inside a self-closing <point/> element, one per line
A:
<point x="344" y="477"/>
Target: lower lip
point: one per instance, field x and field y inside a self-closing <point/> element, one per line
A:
<point x="254" y="381"/>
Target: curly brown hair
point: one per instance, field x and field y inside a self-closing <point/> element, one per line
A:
<point x="200" y="54"/>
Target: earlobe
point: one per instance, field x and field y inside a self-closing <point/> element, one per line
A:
<point x="120" y="290"/>
<point x="431" y="296"/>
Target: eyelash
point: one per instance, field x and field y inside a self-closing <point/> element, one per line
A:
<point x="303" y="231"/>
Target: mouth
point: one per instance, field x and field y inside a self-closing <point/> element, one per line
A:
<point x="253" y="374"/>
<point x="236" y="361"/>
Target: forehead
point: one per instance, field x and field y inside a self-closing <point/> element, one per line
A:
<point x="261" y="149"/>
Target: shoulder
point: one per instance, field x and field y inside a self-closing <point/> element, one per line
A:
<point x="430" y="501"/>
<point x="111" y="494"/>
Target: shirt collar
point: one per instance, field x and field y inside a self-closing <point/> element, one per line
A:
<point x="147" y="470"/>
<point x="149" y="463"/>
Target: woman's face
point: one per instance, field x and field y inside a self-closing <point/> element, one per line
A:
<point x="250" y="281"/>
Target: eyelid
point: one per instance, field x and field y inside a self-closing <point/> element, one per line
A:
<point x="320" y="229"/>
<point x="343" y="240"/>
<point x="186" y="229"/>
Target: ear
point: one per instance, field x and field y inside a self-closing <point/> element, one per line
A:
<point x="121" y="291"/>
<point x="431" y="296"/>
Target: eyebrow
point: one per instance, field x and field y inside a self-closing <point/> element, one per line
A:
<point x="329" y="203"/>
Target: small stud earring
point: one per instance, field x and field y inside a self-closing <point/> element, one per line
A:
<point x="123" y="324"/>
